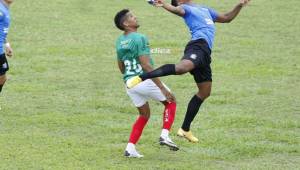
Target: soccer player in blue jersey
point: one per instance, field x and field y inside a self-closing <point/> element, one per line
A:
<point x="5" y="48"/>
<point x="196" y="59"/>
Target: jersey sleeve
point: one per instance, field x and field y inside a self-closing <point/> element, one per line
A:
<point x="186" y="9"/>
<point x="213" y="14"/>
<point x="119" y="56"/>
<point x="143" y="47"/>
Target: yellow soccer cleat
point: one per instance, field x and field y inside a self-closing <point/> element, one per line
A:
<point x="188" y="135"/>
<point x="133" y="81"/>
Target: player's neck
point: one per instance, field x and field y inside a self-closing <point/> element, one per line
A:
<point x="130" y="30"/>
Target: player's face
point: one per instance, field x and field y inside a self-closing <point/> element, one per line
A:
<point x="131" y="21"/>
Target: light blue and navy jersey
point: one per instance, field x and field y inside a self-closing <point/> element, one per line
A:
<point x="200" y="21"/>
<point x="4" y="24"/>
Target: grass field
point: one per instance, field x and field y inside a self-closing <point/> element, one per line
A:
<point x="65" y="107"/>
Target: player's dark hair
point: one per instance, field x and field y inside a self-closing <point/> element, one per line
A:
<point x="174" y="3"/>
<point x="120" y="17"/>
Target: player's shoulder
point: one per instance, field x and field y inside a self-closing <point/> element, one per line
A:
<point x="118" y="39"/>
<point x="3" y="9"/>
<point x="205" y="7"/>
<point x="121" y="40"/>
<point x="191" y="7"/>
<point x="185" y="6"/>
<point x="139" y="38"/>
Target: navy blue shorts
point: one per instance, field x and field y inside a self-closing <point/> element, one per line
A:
<point x="199" y="52"/>
<point x="3" y="64"/>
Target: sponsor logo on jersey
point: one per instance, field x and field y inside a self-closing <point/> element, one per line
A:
<point x="193" y="56"/>
<point x="4" y="65"/>
<point x="125" y="43"/>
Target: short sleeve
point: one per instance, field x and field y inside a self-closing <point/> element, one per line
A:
<point x="118" y="51"/>
<point x="213" y="14"/>
<point x="186" y="9"/>
<point x="143" y="47"/>
<point x="119" y="56"/>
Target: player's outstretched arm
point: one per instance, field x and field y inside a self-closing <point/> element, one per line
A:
<point x="229" y="16"/>
<point x="175" y="10"/>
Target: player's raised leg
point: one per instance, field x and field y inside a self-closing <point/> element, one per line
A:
<point x="182" y="67"/>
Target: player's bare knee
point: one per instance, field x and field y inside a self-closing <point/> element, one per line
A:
<point x="207" y="95"/>
<point x="184" y="66"/>
<point x="203" y="96"/>
<point x="180" y="69"/>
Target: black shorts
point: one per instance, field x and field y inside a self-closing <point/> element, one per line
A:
<point x="3" y="64"/>
<point x="199" y="52"/>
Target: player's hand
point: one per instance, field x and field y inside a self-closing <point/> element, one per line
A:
<point x="159" y="3"/>
<point x="8" y="50"/>
<point x="170" y="97"/>
<point x="244" y="2"/>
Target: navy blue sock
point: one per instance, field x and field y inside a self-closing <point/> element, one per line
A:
<point x="192" y="110"/>
<point x="165" y="70"/>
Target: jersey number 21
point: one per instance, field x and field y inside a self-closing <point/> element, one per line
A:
<point x="132" y="67"/>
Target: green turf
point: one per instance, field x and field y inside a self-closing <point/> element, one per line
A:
<point x="65" y="107"/>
